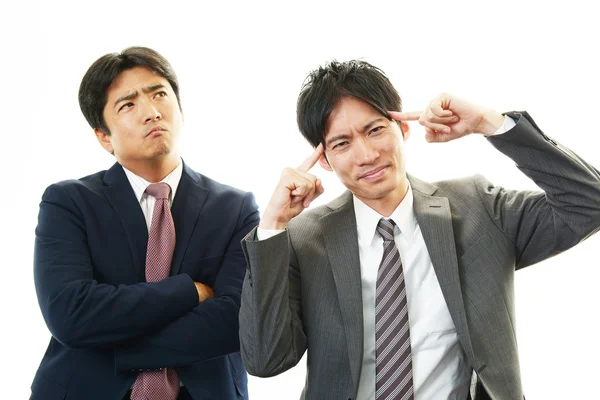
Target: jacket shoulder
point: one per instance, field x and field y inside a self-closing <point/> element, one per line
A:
<point x="311" y="217"/>
<point x="217" y="188"/>
<point x="462" y="187"/>
<point x="90" y="184"/>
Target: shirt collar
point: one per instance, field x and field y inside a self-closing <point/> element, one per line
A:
<point x="140" y="185"/>
<point x="367" y="219"/>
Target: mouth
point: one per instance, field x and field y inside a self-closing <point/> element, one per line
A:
<point x="155" y="131"/>
<point x="373" y="174"/>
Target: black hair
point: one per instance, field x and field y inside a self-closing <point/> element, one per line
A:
<point x="325" y="86"/>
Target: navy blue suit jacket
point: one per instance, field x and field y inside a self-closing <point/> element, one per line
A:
<point x="107" y="323"/>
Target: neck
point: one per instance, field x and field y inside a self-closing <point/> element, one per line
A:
<point x="387" y="204"/>
<point x="152" y="170"/>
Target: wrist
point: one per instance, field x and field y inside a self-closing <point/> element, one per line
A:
<point x="199" y="291"/>
<point x="270" y="223"/>
<point x="204" y="291"/>
<point x="491" y="121"/>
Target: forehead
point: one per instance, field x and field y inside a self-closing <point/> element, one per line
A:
<point x="350" y="113"/>
<point x="134" y="79"/>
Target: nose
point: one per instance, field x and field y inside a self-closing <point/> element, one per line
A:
<point x="365" y="153"/>
<point x="150" y="112"/>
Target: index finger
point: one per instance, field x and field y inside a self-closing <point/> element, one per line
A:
<point x="312" y="159"/>
<point x="405" y="115"/>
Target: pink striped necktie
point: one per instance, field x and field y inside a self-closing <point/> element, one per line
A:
<point x="164" y="383"/>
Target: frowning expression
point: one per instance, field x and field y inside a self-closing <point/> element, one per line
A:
<point x="366" y="151"/>
<point x="143" y="116"/>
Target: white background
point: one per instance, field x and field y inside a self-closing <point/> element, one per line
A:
<point x="241" y="65"/>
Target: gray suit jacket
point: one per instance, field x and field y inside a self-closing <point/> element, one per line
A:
<point x="303" y="287"/>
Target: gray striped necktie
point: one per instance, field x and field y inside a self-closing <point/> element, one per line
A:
<point x="393" y="360"/>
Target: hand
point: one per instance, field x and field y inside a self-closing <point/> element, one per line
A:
<point x="204" y="292"/>
<point x="447" y="118"/>
<point x="294" y="192"/>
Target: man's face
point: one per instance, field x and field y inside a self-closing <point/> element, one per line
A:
<point x="143" y="116"/>
<point x="366" y="151"/>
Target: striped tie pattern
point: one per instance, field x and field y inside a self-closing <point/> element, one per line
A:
<point x="162" y="384"/>
<point x="393" y="360"/>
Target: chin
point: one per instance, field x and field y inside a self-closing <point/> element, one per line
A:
<point x="373" y="193"/>
<point x="161" y="150"/>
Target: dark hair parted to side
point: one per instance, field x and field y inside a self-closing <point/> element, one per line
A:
<point x="325" y="86"/>
<point x="102" y="73"/>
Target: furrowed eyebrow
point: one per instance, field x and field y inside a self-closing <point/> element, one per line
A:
<point x="364" y="129"/>
<point x="131" y="96"/>
<point x="127" y="97"/>
<point x="149" y="89"/>
<point x="336" y="138"/>
<point x="370" y="124"/>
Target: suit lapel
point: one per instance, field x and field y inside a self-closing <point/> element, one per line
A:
<point x="122" y="198"/>
<point x="435" y="220"/>
<point x="341" y="241"/>
<point x="188" y="202"/>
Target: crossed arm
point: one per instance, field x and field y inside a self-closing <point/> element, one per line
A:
<point x="80" y="312"/>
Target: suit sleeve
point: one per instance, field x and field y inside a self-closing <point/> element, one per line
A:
<point x="211" y="328"/>
<point x="543" y="224"/>
<point x="272" y="336"/>
<point x="79" y="311"/>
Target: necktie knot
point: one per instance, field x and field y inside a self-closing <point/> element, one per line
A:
<point x="159" y="190"/>
<point x="385" y="228"/>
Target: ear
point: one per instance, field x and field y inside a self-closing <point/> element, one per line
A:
<point x="405" y="130"/>
<point x="104" y="140"/>
<point x="324" y="163"/>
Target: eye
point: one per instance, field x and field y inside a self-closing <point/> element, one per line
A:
<point x="339" y="145"/>
<point x="376" y="130"/>
<point x="125" y="106"/>
<point x="162" y="93"/>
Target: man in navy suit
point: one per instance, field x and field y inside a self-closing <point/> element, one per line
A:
<point x="108" y="324"/>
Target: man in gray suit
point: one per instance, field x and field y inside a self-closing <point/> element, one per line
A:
<point x="399" y="288"/>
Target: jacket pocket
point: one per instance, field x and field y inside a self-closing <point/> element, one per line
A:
<point x="43" y="388"/>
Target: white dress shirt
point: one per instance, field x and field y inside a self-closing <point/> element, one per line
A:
<point x="440" y="369"/>
<point x="439" y="366"/>
<point x="147" y="202"/>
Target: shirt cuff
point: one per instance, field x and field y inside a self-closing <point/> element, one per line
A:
<point x="264" y="234"/>
<point x="507" y="125"/>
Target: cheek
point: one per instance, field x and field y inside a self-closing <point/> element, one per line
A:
<point x="115" y="140"/>
<point x="172" y="111"/>
<point x="390" y="149"/>
<point x="391" y="145"/>
<point x="122" y="137"/>
<point x="342" y="167"/>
